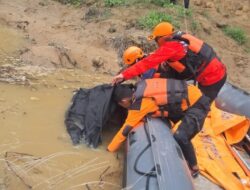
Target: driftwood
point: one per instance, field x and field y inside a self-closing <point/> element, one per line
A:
<point x="13" y="171"/>
<point x="87" y="187"/>
<point x="102" y="174"/>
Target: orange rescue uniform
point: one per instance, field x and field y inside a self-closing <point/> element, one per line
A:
<point x="147" y="105"/>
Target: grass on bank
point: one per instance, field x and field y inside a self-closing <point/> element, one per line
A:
<point x="153" y="18"/>
<point x="72" y="2"/>
<point x="175" y="15"/>
<point x="236" y="33"/>
<point x="172" y="13"/>
<point x="112" y="3"/>
<point x="160" y="2"/>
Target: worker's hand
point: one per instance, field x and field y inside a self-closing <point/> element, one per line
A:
<point x="117" y="79"/>
<point x="164" y="66"/>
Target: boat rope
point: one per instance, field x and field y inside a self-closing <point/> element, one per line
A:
<point x="185" y="20"/>
<point x="152" y="172"/>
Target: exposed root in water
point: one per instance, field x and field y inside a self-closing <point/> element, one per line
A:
<point x="20" y="164"/>
<point x="7" y="150"/>
<point x="81" y="171"/>
<point x="103" y="173"/>
<point x="62" y="182"/>
<point x="11" y="168"/>
<point x="47" y="158"/>
<point x="62" y="174"/>
<point x="28" y="169"/>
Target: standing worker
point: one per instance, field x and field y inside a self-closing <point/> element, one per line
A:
<point x="186" y="57"/>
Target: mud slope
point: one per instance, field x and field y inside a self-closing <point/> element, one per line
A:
<point x="65" y="36"/>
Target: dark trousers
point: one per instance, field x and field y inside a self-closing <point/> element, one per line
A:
<point x="194" y="118"/>
<point x="213" y="90"/>
<point x="186" y="3"/>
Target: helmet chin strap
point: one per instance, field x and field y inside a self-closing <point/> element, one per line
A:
<point x="137" y="60"/>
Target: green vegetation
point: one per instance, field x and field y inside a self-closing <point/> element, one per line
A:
<point x="111" y="3"/>
<point x="182" y="12"/>
<point x="236" y="33"/>
<point x="172" y="13"/>
<point x="178" y="10"/>
<point x="153" y="18"/>
<point x="72" y="2"/>
<point x="160" y="2"/>
<point x="175" y="16"/>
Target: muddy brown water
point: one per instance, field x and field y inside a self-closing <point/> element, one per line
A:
<point x="32" y="124"/>
<point x="35" y="149"/>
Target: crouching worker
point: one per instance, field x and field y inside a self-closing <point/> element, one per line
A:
<point x="163" y="98"/>
<point x="132" y="55"/>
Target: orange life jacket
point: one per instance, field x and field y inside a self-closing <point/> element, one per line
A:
<point x="169" y="94"/>
<point x="199" y="55"/>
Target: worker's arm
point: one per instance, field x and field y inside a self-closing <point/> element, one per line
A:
<point x="134" y="117"/>
<point x="172" y="50"/>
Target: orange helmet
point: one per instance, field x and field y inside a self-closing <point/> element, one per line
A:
<point x="162" y="29"/>
<point x="131" y="54"/>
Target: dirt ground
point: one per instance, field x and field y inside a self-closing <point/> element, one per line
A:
<point x="63" y="36"/>
<point x="47" y="50"/>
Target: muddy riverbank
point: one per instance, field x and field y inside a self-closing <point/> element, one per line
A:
<point x="47" y="50"/>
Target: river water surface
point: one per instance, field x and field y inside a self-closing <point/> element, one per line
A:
<point x="35" y="149"/>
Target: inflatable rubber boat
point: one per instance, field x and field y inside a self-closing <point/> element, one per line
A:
<point x="153" y="159"/>
<point x="234" y="100"/>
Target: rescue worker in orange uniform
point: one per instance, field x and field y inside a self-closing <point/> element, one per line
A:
<point x="132" y="55"/>
<point x="161" y="98"/>
<point x="185" y="57"/>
